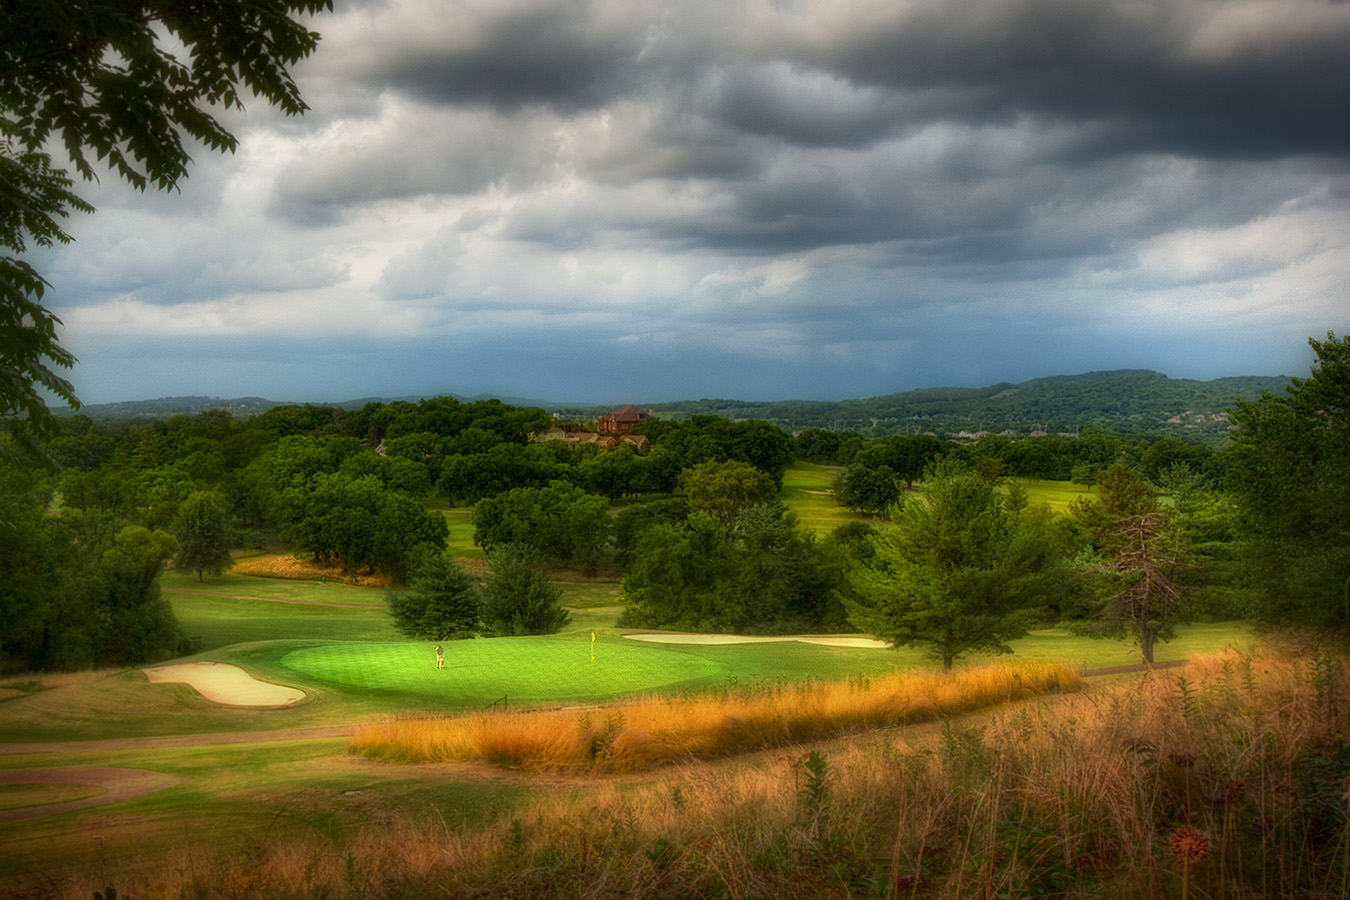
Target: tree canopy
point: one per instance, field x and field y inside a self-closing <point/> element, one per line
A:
<point x="1290" y="475"/>
<point x="123" y="84"/>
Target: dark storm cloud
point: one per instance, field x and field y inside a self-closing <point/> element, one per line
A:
<point x="509" y="57"/>
<point x="691" y="99"/>
<point x="1192" y="76"/>
<point x="1205" y="78"/>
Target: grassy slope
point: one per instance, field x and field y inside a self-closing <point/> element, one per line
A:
<point x="1056" y="494"/>
<point x="808" y="490"/>
<point x="355" y="667"/>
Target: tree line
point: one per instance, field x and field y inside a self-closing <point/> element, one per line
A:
<point x="952" y="557"/>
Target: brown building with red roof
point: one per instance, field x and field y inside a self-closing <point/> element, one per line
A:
<point x="623" y="420"/>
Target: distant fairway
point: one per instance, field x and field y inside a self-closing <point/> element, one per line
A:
<point x="1055" y="494"/>
<point x="808" y="491"/>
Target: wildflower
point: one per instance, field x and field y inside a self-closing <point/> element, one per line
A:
<point x="1189" y="845"/>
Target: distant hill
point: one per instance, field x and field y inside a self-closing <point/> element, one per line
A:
<point x="1125" y="401"/>
<point x="244" y="407"/>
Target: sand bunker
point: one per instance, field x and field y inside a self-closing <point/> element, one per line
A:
<point x="666" y="637"/>
<point x="227" y="684"/>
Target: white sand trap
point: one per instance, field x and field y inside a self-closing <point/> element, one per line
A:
<point x="224" y="683"/>
<point x="666" y="637"/>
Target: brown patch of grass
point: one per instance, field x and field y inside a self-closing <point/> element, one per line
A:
<point x="278" y="565"/>
<point x="655" y="731"/>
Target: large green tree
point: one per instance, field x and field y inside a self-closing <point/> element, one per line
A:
<point x="137" y="623"/>
<point x="955" y="573"/>
<point x="202" y="529"/>
<point x="723" y="488"/>
<point x="1289" y="470"/>
<point x="128" y="84"/>
<point x="764" y="575"/>
<point x="866" y="489"/>
<point x="563" y="522"/>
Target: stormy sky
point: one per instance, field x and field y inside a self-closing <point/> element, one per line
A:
<point x="607" y="201"/>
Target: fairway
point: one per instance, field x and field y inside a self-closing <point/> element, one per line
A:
<point x="808" y="491"/>
<point x="223" y="621"/>
<point x="1058" y="495"/>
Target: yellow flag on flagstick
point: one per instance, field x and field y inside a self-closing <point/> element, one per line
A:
<point x="592" y="646"/>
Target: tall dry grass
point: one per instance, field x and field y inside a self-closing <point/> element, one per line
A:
<point x="275" y="565"/>
<point x="656" y="730"/>
<point x="1227" y="779"/>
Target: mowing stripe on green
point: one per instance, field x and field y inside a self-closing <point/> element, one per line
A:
<point x="527" y="670"/>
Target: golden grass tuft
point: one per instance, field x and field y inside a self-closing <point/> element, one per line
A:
<point x="279" y="565"/>
<point x="653" y="731"/>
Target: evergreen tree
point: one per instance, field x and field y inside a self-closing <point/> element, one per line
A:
<point x="1142" y="554"/>
<point x="1290" y="473"/>
<point x="952" y="574"/>
<point x="518" y="598"/>
<point x="440" y="603"/>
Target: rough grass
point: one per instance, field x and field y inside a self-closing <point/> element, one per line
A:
<point x="654" y="731"/>
<point x="1070" y="796"/>
<point x="219" y="622"/>
<point x="240" y="584"/>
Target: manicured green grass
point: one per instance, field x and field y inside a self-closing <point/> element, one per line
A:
<point x="460" y="520"/>
<point x="1056" y="494"/>
<point x="808" y="491"/>
<point x="559" y="668"/>
<point x="222" y="621"/>
<point x="305" y="591"/>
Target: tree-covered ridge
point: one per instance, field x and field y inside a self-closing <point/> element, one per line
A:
<point x="1126" y="401"/>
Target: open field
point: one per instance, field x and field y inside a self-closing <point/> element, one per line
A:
<point x="250" y="803"/>
<point x="460" y="520"/>
<point x="808" y="490"/>
<point x="1055" y="494"/>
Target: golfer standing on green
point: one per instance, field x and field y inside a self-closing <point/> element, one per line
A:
<point x="440" y="657"/>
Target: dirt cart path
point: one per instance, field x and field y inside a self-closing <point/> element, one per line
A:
<point x="185" y="740"/>
<point x="117" y="784"/>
